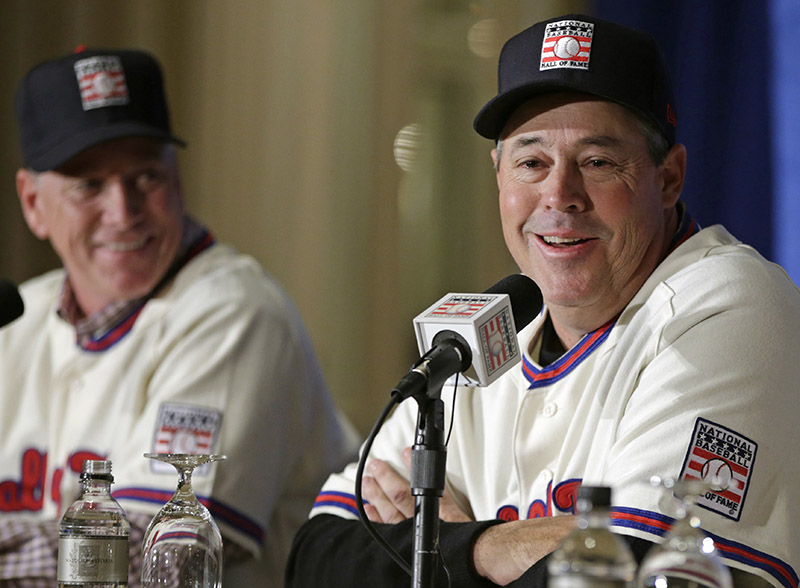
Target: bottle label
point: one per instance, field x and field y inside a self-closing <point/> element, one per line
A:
<point x="93" y="559"/>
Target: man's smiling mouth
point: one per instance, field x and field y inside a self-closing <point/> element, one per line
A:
<point x="552" y="240"/>
<point x="126" y="246"/>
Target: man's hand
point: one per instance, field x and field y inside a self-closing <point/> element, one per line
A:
<point x="390" y="499"/>
<point x="503" y="553"/>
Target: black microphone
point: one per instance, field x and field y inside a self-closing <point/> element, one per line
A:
<point x="11" y="306"/>
<point x="475" y="332"/>
<point x="525" y="297"/>
<point x="450" y="354"/>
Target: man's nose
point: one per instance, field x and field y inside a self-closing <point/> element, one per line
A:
<point x="123" y="203"/>
<point x="564" y="189"/>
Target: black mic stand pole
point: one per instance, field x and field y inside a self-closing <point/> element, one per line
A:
<point x="428" y="458"/>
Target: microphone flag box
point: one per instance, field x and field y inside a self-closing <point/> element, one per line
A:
<point x="485" y="321"/>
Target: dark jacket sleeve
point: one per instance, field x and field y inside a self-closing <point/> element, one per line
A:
<point x="332" y="552"/>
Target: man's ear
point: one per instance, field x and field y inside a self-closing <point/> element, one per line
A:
<point x="496" y="165"/>
<point x="673" y="172"/>
<point x="30" y="201"/>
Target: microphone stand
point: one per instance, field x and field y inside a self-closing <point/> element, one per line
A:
<point x="428" y="457"/>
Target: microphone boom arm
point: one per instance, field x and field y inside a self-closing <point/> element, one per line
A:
<point x="428" y="468"/>
<point x="449" y="355"/>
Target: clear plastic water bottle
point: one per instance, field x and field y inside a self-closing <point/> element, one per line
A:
<point x="93" y="534"/>
<point x="591" y="555"/>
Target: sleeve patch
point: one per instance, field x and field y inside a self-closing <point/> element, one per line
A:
<point x="724" y="459"/>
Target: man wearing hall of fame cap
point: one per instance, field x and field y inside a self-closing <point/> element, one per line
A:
<point x="152" y="338"/>
<point x="662" y="349"/>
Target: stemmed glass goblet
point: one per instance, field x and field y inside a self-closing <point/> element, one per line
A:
<point x="687" y="558"/>
<point x="182" y="547"/>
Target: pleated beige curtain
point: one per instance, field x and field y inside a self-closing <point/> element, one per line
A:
<point x="330" y="139"/>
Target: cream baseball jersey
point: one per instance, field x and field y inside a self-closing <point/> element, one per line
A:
<point x="217" y="362"/>
<point x="696" y="376"/>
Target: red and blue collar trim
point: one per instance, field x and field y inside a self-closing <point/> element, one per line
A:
<point x="687" y="227"/>
<point x="540" y="377"/>
<point x="125" y="324"/>
<point x="115" y="334"/>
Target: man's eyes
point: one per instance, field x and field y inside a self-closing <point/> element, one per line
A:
<point x="531" y="163"/>
<point x="144" y="181"/>
<point x="598" y="162"/>
<point x="85" y="188"/>
<point x="149" y="179"/>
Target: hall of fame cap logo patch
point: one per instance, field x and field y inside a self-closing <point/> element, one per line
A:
<point x="184" y="428"/>
<point x="723" y="459"/>
<point x="460" y="306"/>
<point x="566" y="44"/>
<point x="102" y="81"/>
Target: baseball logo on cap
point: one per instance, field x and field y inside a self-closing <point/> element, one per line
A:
<point x="102" y="81"/>
<point x="567" y="43"/>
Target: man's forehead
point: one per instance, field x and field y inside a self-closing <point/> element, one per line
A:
<point x="130" y="150"/>
<point x="583" y="113"/>
<point x="533" y="138"/>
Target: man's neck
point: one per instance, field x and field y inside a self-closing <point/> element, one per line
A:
<point x="552" y="348"/>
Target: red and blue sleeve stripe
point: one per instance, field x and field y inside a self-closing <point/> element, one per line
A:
<point x="657" y="524"/>
<point x="341" y="500"/>
<point x="218" y="509"/>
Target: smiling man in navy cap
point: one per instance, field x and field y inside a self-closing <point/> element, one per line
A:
<point x="663" y="349"/>
<point x="151" y="338"/>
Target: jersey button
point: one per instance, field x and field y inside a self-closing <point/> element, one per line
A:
<point x="545" y="475"/>
<point x="550" y="409"/>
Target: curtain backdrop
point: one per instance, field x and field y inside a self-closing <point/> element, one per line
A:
<point x="333" y="141"/>
<point x="737" y="81"/>
<point x="785" y="87"/>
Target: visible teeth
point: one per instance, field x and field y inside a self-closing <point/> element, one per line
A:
<point x="558" y="240"/>
<point x="125" y="246"/>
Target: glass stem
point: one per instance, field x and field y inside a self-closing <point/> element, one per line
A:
<point x="185" y="481"/>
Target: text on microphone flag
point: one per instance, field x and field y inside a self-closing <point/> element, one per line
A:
<point x="461" y="306"/>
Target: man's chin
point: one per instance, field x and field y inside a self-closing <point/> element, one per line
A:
<point x="133" y="287"/>
<point x="572" y="298"/>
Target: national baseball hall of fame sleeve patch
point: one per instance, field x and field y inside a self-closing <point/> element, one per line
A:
<point x="185" y="428"/>
<point x="723" y="459"/>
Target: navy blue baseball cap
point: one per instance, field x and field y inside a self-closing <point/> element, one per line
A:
<point x="67" y="105"/>
<point x="581" y="53"/>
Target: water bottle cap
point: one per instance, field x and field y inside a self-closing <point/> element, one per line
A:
<point x="593" y="496"/>
<point x="97" y="469"/>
